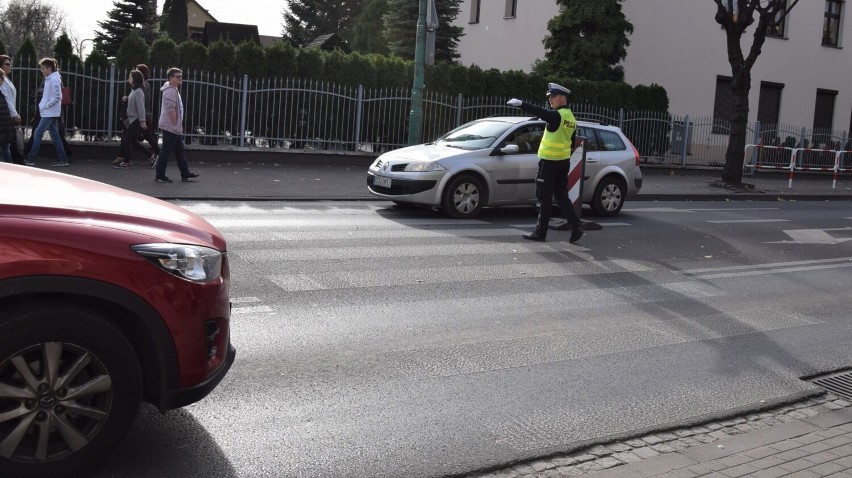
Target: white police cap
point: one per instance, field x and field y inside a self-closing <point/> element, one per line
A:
<point x="554" y="89"/>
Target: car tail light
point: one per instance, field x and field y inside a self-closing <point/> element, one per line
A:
<point x="635" y="152"/>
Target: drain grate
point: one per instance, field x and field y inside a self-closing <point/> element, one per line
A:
<point x="839" y="384"/>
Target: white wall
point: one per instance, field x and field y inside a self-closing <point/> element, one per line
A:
<point x="678" y="44"/>
<point x="507" y="44"/>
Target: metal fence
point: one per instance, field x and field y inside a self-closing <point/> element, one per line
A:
<point x="222" y="110"/>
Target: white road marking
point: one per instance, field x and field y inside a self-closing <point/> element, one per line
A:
<point x="243" y="300"/>
<point x="736" y="221"/>
<point x="248" y="310"/>
<point x="771" y="271"/>
<point x="813" y="236"/>
<point x="765" y="266"/>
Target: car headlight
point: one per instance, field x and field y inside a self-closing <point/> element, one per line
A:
<point x="195" y="263"/>
<point x="422" y="167"/>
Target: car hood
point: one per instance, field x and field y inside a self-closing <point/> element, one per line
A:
<point x="425" y="152"/>
<point x="47" y="195"/>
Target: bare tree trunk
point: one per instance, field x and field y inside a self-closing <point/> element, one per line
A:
<point x="734" y="157"/>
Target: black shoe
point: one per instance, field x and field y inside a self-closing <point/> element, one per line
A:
<point x="189" y="178"/>
<point x="535" y="236"/>
<point x="563" y="227"/>
<point x="576" y="234"/>
<point x="162" y="180"/>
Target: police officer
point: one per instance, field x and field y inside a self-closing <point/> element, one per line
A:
<point x="554" y="155"/>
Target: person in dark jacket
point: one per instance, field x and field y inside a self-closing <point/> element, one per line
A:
<point x="135" y="119"/>
<point x="150" y="134"/>
<point x="7" y="125"/>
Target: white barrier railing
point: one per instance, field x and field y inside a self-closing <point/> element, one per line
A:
<point x="800" y="159"/>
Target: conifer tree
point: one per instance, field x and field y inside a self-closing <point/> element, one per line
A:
<point x="400" y="28"/>
<point x="304" y="20"/>
<point x="587" y="40"/>
<point x="126" y="16"/>
<point x="175" y="19"/>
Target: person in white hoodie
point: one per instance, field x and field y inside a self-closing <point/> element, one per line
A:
<point x="50" y="108"/>
<point x="171" y="123"/>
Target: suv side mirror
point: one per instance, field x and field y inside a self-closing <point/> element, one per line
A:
<point x="510" y="149"/>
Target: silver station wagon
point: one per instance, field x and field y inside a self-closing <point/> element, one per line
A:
<point x="493" y="162"/>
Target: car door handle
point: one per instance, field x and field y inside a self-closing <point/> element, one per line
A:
<point x="591" y="160"/>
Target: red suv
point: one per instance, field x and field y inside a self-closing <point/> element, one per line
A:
<point x="107" y="298"/>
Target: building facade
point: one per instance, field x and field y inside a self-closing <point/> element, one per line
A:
<point x="800" y="78"/>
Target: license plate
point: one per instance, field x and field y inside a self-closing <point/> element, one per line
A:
<point x="381" y="181"/>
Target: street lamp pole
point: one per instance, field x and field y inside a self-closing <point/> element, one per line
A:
<point x="80" y="46"/>
<point x="415" y="120"/>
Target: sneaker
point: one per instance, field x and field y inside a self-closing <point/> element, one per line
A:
<point x="118" y="160"/>
<point x="189" y="178"/>
<point x="154" y="159"/>
<point x="122" y="165"/>
<point x="162" y="180"/>
<point x="59" y="164"/>
<point x="27" y="162"/>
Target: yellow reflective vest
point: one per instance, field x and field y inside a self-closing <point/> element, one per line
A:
<point x="556" y="145"/>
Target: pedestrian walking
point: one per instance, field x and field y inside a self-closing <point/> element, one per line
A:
<point x="7" y="124"/>
<point x="50" y="108"/>
<point x="135" y="121"/>
<point x="11" y="93"/>
<point x="171" y="123"/>
<point x="149" y="134"/>
<point x="554" y="162"/>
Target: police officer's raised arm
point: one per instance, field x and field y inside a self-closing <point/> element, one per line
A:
<point x="551" y="117"/>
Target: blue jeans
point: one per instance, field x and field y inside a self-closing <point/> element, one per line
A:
<point x="172" y="142"/>
<point x="7" y="152"/>
<point x="51" y="125"/>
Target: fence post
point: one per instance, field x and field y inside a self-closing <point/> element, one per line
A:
<point x="243" y="109"/>
<point x="684" y="138"/>
<point x="459" y="103"/>
<point x="801" y="145"/>
<point x="358" y="115"/>
<point x="621" y="119"/>
<point x="755" y="153"/>
<point x="111" y="102"/>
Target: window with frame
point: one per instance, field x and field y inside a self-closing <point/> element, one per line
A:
<point x="831" y="25"/>
<point x="823" y="117"/>
<point x="723" y="105"/>
<point x="511" y="9"/>
<point x="610" y="141"/>
<point x="776" y="29"/>
<point x="591" y="138"/>
<point x="528" y="138"/>
<point x="474" y="11"/>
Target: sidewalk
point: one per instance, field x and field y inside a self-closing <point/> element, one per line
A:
<point x="810" y="439"/>
<point x="346" y="181"/>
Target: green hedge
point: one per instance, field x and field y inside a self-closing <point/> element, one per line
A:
<point x="282" y="60"/>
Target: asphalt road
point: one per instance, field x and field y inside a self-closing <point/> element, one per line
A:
<point x="379" y="341"/>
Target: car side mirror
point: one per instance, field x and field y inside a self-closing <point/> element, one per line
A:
<point x="510" y="149"/>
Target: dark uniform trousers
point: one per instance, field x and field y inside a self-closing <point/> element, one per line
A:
<point x="551" y="183"/>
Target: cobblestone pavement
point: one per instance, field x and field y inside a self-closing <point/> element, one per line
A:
<point x="812" y="438"/>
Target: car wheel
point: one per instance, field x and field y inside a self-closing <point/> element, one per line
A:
<point x="464" y="197"/>
<point x="609" y="197"/>
<point x="70" y="387"/>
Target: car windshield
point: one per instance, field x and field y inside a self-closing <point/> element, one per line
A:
<point x="475" y="135"/>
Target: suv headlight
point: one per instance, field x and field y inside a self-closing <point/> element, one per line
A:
<point x="195" y="263"/>
<point x="422" y="167"/>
